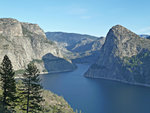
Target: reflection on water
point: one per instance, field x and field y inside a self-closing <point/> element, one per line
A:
<point x="98" y="95"/>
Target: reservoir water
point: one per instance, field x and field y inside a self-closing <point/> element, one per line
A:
<point x="97" y="95"/>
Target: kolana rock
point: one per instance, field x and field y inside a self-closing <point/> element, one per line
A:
<point x="26" y="42"/>
<point x="124" y="57"/>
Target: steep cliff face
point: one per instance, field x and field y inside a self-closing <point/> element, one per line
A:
<point x="120" y="57"/>
<point x="24" y="42"/>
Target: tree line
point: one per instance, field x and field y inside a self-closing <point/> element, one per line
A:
<point x="27" y="95"/>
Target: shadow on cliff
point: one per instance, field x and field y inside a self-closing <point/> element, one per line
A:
<point x="55" y="64"/>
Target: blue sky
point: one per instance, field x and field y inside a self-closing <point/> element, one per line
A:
<point x="94" y="17"/>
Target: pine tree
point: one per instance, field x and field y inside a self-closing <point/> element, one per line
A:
<point x="8" y="84"/>
<point x="31" y="90"/>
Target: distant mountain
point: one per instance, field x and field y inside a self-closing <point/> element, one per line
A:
<point x="144" y="36"/>
<point x="68" y="38"/>
<point x="88" y="52"/>
<point x="26" y="42"/>
<point x="77" y="47"/>
<point x="124" y="57"/>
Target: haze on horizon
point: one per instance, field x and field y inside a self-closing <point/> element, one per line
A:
<point x="94" y="17"/>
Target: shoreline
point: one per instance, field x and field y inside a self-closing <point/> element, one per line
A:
<point x="121" y="81"/>
<point x="44" y="73"/>
<point x="53" y="72"/>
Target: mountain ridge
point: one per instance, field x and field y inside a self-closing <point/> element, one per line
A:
<point x="77" y="47"/>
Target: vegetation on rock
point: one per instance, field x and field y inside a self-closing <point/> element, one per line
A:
<point x="26" y="95"/>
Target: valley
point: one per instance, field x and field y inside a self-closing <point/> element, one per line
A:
<point x="79" y="67"/>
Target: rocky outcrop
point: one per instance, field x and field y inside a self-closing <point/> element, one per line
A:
<point x="24" y="43"/>
<point x="121" y="57"/>
<point x="55" y="104"/>
<point x="10" y="27"/>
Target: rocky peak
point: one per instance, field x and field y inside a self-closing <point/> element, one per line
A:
<point x="10" y="27"/>
<point x="13" y="28"/>
<point x="121" y="33"/>
<point x="123" y="57"/>
<point x="122" y="41"/>
<point x="33" y="28"/>
<point x="8" y="20"/>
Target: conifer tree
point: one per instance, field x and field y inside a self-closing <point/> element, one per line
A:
<point x="8" y="84"/>
<point x="31" y="90"/>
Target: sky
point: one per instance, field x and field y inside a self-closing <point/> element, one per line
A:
<point x="93" y="17"/>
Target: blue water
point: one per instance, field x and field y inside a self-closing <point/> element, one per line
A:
<point x="97" y="95"/>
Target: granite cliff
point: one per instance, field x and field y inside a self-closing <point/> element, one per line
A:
<point x="26" y="42"/>
<point x="124" y="57"/>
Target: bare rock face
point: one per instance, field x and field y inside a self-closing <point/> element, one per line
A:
<point x="10" y="27"/>
<point x="121" y="56"/>
<point x="34" y="28"/>
<point x="24" y="43"/>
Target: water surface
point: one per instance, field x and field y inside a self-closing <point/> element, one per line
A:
<point x="97" y="95"/>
